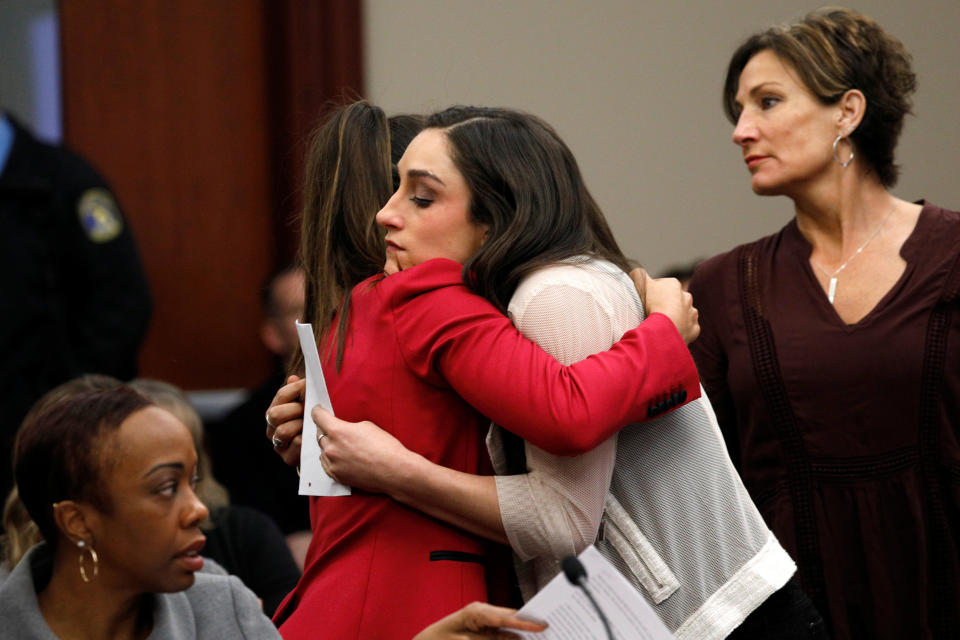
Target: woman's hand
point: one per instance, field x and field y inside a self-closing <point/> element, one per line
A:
<point x="478" y="620"/>
<point x="360" y="454"/>
<point x="285" y="420"/>
<point x="666" y="296"/>
<point x="364" y="456"/>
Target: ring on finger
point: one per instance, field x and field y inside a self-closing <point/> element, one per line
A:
<point x="321" y="437"/>
<point x="278" y="442"/>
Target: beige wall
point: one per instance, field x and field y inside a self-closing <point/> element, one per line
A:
<point x="634" y="89"/>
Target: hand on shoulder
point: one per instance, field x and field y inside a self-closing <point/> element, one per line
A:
<point x="667" y="296"/>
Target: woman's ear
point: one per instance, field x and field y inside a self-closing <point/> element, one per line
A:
<point x="486" y="234"/>
<point x="852" y="105"/>
<point x="74" y="520"/>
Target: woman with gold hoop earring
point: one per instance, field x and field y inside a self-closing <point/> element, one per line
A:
<point x="829" y="349"/>
<point x="94" y="559"/>
<point x="110" y="475"/>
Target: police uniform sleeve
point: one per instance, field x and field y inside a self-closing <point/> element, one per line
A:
<point x="106" y="296"/>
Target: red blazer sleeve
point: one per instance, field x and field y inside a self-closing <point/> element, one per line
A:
<point x="452" y="337"/>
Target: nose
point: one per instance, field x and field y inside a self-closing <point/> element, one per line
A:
<point x="195" y="511"/>
<point x="388" y="217"/>
<point x="745" y="131"/>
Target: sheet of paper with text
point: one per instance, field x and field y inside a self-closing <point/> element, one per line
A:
<point x="314" y="481"/>
<point x="571" y="617"/>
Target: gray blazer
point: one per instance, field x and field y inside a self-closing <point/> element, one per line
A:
<point x="216" y="606"/>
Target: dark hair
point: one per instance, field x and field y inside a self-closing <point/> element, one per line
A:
<point x="58" y="451"/>
<point x="403" y="128"/>
<point x="525" y="185"/>
<point x="349" y="177"/>
<point x="835" y="50"/>
<point x="85" y="382"/>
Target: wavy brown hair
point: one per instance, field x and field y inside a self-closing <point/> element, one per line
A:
<point x="526" y="186"/>
<point x="350" y="175"/>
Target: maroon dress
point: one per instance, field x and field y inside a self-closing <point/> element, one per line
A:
<point x="847" y="435"/>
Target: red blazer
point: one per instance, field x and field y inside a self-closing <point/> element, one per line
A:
<point x="432" y="364"/>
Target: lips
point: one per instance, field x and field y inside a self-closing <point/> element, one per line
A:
<point x="393" y="245"/>
<point x="190" y="557"/>
<point x="752" y="160"/>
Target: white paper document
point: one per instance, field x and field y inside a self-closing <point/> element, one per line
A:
<point x="571" y="616"/>
<point x="314" y="481"/>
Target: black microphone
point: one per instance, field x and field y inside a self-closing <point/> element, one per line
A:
<point x="577" y="575"/>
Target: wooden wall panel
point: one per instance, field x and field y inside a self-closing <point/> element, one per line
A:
<point x="316" y="60"/>
<point x="182" y="105"/>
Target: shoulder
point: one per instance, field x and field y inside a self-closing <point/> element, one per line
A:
<point x="67" y="170"/>
<point x="438" y="273"/>
<point x="723" y="262"/>
<point x="932" y="245"/>
<point x="80" y="197"/>
<point x="713" y="278"/>
<point x="598" y="281"/>
<point x="719" y="273"/>
<point x="18" y="599"/>
<point x="939" y="219"/>
<point x="20" y="615"/>
<point x="430" y="290"/>
<point x="581" y="272"/>
<point x="213" y="588"/>
<point x="398" y="288"/>
<point x="223" y="607"/>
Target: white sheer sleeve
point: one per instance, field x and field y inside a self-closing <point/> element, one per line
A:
<point x="572" y="311"/>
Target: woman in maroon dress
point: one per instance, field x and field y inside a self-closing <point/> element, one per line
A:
<point x="830" y="348"/>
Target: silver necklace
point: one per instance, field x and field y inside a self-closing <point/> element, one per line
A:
<point x="832" y="289"/>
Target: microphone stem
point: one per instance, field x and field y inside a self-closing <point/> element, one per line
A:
<point x="596" y="607"/>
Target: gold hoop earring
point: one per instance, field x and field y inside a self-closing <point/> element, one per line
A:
<point x="94" y="559"/>
<point x="837" y="158"/>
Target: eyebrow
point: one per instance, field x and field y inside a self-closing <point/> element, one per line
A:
<point x="423" y="173"/>
<point x="164" y="465"/>
<point x="760" y="87"/>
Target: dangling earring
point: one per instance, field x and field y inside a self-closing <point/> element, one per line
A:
<point x="94" y="558"/>
<point x="837" y="158"/>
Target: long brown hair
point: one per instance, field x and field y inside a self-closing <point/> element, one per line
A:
<point x="526" y="186"/>
<point x="349" y="177"/>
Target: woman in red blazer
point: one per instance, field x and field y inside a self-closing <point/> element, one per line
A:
<point x="432" y="361"/>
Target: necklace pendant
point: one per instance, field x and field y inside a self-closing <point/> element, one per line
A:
<point x="832" y="291"/>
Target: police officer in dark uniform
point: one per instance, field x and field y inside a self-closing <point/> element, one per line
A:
<point x="73" y="294"/>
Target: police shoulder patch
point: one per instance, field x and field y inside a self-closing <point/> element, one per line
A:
<point x="99" y="215"/>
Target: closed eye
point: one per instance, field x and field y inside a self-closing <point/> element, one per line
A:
<point x="422" y="203"/>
